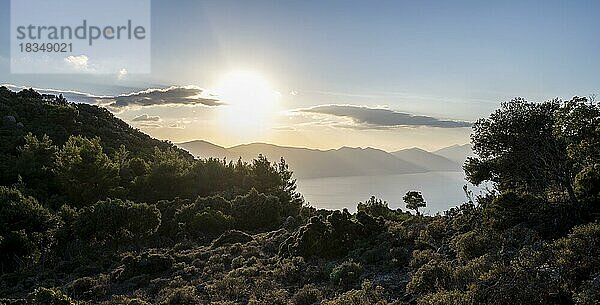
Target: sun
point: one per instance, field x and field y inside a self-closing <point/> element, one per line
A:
<point x="250" y="102"/>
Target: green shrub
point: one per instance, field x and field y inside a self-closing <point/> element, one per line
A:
<point x="255" y="211"/>
<point x="587" y="188"/>
<point x="431" y="277"/>
<point x="307" y="295"/>
<point x="45" y="296"/>
<point x="116" y="222"/>
<point x="511" y="209"/>
<point x="333" y="237"/>
<point x="145" y="264"/>
<point x="178" y="296"/>
<point x="88" y="288"/>
<point x="169" y="226"/>
<point x="26" y="228"/>
<point x="578" y="254"/>
<point x="198" y="221"/>
<point x="367" y="295"/>
<point x="473" y="244"/>
<point x="346" y="273"/>
<point x="422" y="257"/>
<point x="445" y="297"/>
<point x="85" y="173"/>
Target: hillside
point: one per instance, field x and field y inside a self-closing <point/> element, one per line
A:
<point x="28" y="111"/>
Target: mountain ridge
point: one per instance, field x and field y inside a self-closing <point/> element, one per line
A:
<point x="340" y="162"/>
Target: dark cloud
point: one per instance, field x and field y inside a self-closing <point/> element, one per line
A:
<point x="174" y="95"/>
<point x="377" y="118"/>
<point x="146" y="118"/>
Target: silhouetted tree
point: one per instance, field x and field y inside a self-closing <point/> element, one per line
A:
<point x="414" y="200"/>
<point x="536" y="147"/>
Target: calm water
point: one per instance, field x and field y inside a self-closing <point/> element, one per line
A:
<point x="441" y="190"/>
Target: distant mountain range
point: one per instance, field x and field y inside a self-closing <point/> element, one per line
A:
<point x="342" y="162"/>
<point x="456" y="153"/>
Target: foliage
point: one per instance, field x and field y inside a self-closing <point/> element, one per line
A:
<point x="332" y="237"/>
<point x="346" y="273"/>
<point x="45" y="296"/>
<point x="578" y="254"/>
<point x="414" y="200"/>
<point x="205" y="218"/>
<point x="536" y="147"/>
<point x="116" y="222"/>
<point x="256" y="211"/>
<point x="368" y="294"/>
<point x="26" y="230"/>
<point x="144" y="264"/>
<point x="85" y="173"/>
<point x="379" y="208"/>
<point x="473" y="244"/>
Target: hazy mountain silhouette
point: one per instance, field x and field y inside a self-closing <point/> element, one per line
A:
<point x="456" y="153"/>
<point x="345" y="161"/>
<point x="429" y="161"/>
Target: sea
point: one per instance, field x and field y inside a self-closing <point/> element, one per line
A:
<point x="441" y="190"/>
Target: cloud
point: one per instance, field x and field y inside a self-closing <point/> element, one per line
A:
<point x="79" y="63"/>
<point x="150" y="125"/>
<point x="146" y="118"/>
<point x="174" y="95"/>
<point x="122" y="74"/>
<point x="379" y="118"/>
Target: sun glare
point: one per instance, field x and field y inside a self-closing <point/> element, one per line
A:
<point x="250" y="102"/>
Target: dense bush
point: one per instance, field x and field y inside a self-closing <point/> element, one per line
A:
<point x="474" y="244"/>
<point x="203" y="223"/>
<point x="116" y="222"/>
<point x="45" y="296"/>
<point x="333" y="237"/>
<point x="346" y="273"/>
<point x="206" y="217"/>
<point x="26" y="228"/>
<point x="145" y="264"/>
<point x="85" y="173"/>
<point x="432" y="276"/>
<point x="367" y="295"/>
<point x="578" y="254"/>
<point x="255" y="211"/>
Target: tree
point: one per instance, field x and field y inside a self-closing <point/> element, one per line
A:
<point x="36" y="164"/>
<point x="374" y="207"/>
<point x="414" y="200"/>
<point x="537" y="148"/>
<point x="85" y="172"/>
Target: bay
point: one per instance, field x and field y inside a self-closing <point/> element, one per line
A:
<point x="441" y="190"/>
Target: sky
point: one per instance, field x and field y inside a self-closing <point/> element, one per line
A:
<point x="326" y="74"/>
